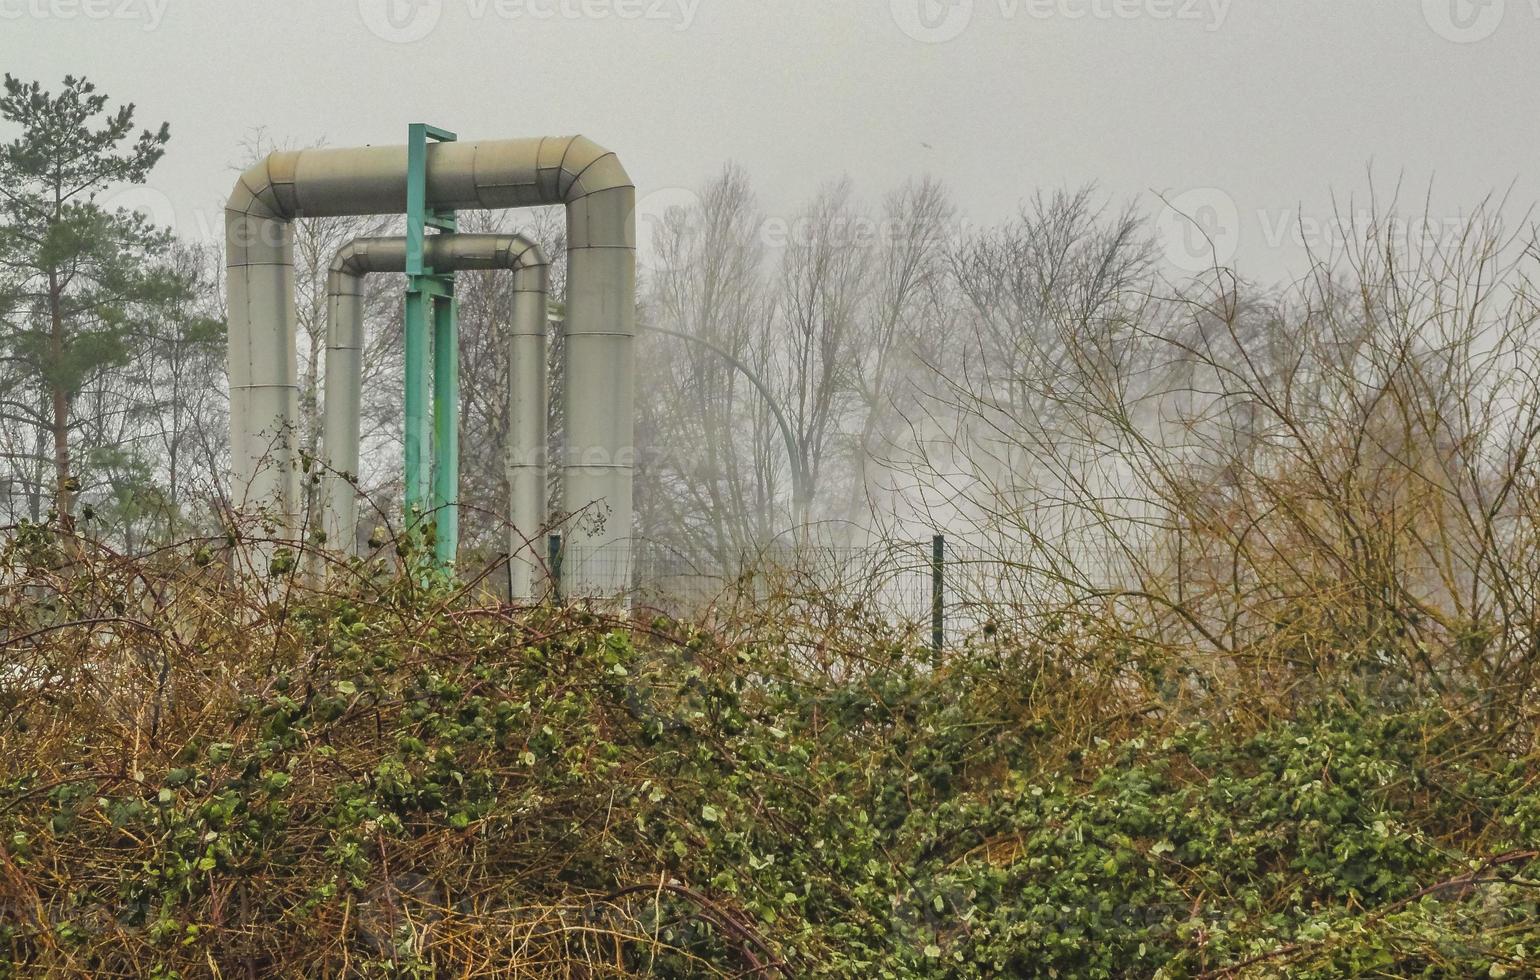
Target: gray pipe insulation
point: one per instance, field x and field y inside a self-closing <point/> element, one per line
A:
<point x="525" y="459"/>
<point x="600" y="313"/>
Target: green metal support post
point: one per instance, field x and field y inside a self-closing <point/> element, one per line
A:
<point x="446" y="426"/>
<point x="432" y="450"/>
<point x="418" y="438"/>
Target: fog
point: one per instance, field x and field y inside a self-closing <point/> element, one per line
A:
<point x="1254" y="113"/>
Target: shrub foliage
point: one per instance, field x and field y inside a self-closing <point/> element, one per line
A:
<point x="385" y="778"/>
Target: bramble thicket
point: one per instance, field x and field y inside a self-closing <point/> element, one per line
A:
<point x="386" y="778"/>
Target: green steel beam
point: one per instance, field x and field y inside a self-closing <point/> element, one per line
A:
<point x="446" y="428"/>
<point x="420" y="217"/>
<point x="432" y="449"/>
<point x="418" y="438"/>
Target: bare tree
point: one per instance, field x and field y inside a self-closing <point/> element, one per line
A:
<point x="160" y="422"/>
<point x="825" y="279"/>
<point x="902" y="324"/>
<point x="1050" y="305"/>
<point x="712" y="479"/>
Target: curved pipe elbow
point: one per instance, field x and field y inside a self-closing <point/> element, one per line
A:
<point x="588" y="168"/>
<point x="493" y="174"/>
<point x="447" y="253"/>
<point x="360" y="257"/>
<point x="600" y="201"/>
<point x="342" y="279"/>
<point x="266" y="189"/>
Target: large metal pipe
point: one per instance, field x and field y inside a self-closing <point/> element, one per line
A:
<point x="525" y="458"/>
<point x="600" y="312"/>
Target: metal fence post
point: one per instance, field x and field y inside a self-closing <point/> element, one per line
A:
<point x="937" y="596"/>
<point x="553" y="558"/>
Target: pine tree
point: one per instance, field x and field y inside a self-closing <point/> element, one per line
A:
<point x="81" y="282"/>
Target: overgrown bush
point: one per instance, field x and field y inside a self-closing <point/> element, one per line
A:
<point x="386" y="778"/>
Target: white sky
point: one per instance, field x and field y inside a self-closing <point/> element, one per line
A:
<point x="1264" y="105"/>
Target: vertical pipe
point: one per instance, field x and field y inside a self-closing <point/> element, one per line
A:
<point x="526" y="430"/>
<point x="598" y="396"/>
<point x="340" y="427"/>
<point x="264" y="384"/>
<point x="527" y="394"/>
<point x="446" y="429"/>
<point x="601" y="235"/>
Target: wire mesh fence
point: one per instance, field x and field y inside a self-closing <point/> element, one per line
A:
<point x="935" y="586"/>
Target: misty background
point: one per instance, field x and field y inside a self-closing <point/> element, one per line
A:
<point x="1025" y="273"/>
<point x="1276" y="104"/>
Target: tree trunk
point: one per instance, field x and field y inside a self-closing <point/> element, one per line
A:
<point x="64" y="481"/>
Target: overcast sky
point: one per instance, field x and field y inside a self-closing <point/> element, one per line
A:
<point x="1246" y="113"/>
